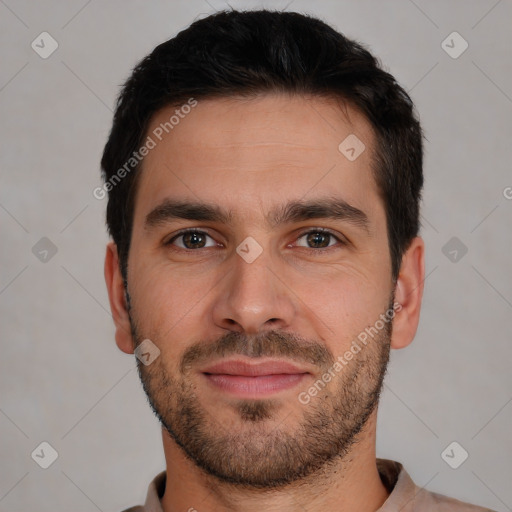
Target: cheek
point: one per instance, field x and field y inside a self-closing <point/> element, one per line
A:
<point x="171" y="303"/>
<point x="349" y="304"/>
<point x="337" y="307"/>
<point x="161" y="303"/>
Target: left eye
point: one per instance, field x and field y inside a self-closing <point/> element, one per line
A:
<point x="319" y="238"/>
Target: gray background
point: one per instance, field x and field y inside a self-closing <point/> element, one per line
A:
<point x="62" y="378"/>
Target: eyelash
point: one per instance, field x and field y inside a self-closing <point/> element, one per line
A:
<point x="342" y="242"/>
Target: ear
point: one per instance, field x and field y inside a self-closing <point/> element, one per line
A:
<point x="408" y="293"/>
<point x="116" y="295"/>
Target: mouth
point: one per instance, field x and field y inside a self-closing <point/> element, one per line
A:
<point x="254" y="380"/>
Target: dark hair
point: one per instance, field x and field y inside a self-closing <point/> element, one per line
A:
<point x="233" y="53"/>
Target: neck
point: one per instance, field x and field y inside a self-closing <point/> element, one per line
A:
<point x="350" y="483"/>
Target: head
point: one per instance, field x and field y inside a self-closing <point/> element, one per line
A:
<point x="296" y="161"/>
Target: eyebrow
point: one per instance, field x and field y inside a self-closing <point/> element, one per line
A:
<point x="293" y="211"/>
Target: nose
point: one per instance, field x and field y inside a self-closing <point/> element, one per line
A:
<point x="254" y="296"/>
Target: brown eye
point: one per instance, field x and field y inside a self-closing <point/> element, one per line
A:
<point x="191" y="239"/>
<point x="319" y="239"/>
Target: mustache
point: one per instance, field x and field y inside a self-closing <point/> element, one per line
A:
<point x="268" y="344"/>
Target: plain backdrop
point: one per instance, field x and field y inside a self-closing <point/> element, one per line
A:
<point x="62" y="379"/>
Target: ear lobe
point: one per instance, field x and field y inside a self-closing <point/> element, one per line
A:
<point x="409" y="293"/>
<point x="118" y="300"/>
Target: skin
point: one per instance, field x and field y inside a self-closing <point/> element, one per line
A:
<point x="249" y="155"/>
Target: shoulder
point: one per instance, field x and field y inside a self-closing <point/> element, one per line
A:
<point x="442" y="503"/>
<point x="406" y="496"/>
<point x="155" y="492"/>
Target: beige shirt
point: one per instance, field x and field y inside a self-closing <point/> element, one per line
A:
<point x="405" y="495"/>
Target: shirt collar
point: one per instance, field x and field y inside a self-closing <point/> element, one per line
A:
<point x="393" y="475"/>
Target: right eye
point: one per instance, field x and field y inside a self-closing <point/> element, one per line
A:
<point x="191" y="239"/>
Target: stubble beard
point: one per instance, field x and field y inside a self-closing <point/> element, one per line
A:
<point x="262" y="453"/>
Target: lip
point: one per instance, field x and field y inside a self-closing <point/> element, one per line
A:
<point x="259" y="369"/>
<point x="253" y="380"/>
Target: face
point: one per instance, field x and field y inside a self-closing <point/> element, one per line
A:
<point x="256" y="298"/>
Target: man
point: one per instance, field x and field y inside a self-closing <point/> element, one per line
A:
<point x="264" y="178"/>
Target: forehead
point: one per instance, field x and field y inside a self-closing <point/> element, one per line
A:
<point x="257" y="151"/>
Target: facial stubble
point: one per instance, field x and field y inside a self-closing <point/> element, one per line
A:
<point x="263" y="454"/>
